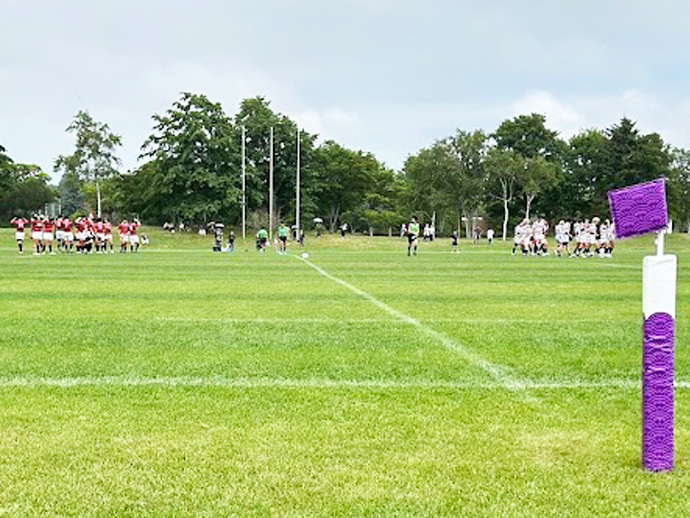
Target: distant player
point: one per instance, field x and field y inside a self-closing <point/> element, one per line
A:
<point x="108" y="237"/>
<point x="454" y="242"/>
<point x="562" y="238"/>
<point x="490" y="236"/>
<point x="343" y="230"/>
<point x="261" y="239"/>
<point x="231" y="242"/>
<point x="123" y="234"/>
<point x="19" y="224"/>
<point x="67" y="235"/>
<point x="284" y="231"/>
<point x="133" y="237"/>
<point x="413" y="236"/>
<point x="99" y="231"/>
<point x="37" y="233"/>
<point x="48" y="227"/>
<point x="539" y="230"/>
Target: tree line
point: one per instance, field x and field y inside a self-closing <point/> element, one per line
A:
<point x="191" y="163"/>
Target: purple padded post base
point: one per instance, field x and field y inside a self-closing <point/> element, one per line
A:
<point x="640" y="209"/>
<point x="657" y="393"/>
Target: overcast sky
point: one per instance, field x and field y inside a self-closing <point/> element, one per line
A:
<point x="380" y="75"/>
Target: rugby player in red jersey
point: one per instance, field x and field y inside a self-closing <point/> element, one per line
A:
<point x="123" y="233"/>
<point x="37" y="233"/>
<point x="19" y="226"/>
<point x="108" y="230"/>
<point x="99" y="230"/>
<point x="48" y="227"/>
<point x="80" y="224"/>
<point x="133" y="237"/>
<point x="67" y="236"/>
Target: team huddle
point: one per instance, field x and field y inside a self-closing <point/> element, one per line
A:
<point x="589" y="238"/>
<point x="83" y="235"/>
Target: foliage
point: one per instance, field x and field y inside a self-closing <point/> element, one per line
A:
<point x="192" y="175"/>
<point x="24" y="188"/>
<point x="94" y="158"/>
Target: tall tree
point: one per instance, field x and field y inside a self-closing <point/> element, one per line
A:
<point x="504" y="168"/>
<point x="538" y="176"/>
<point x="542" y="150"/>
<point x="344" y="178"/>
<point x="679" y="189"/>
<point x="194" y="167"/>
<point x="94" y="158"/>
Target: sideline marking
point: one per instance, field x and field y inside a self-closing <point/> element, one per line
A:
<point x="319" y="383"/>
<point x="497" y="372"/>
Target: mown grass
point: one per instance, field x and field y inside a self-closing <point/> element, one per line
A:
<point x="178" y="382"/>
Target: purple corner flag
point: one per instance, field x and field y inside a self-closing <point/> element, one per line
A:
<point x="639" y="210"/>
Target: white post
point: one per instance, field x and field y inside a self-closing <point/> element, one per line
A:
<point x="660" y="243"/>
<point x="270" y="190"/>
<point x="297" y="188"/>
<point x="244" y="183"/>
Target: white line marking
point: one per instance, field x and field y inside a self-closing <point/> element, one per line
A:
<point x="497" y="372"/>
<point x="348" y="321"/>
<point x="316" y="383"/>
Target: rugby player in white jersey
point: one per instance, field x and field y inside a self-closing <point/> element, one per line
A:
<point x="562" y="238"/>
<point x="539" y="230"/>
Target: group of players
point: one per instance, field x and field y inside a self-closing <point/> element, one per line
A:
<point x="590" y="238"/>
<point x="83" y="235"/>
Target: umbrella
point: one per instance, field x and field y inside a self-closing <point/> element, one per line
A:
<point x="318" y="220"/>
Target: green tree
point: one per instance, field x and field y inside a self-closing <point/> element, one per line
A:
<point x="543" y="152"/>
<point x="537" y="176"/>
<point x="71" y="193"/>
<point x="679" y="189"/>
<point x="26" y="190"/>
<point x="94" y="158"/>
<point x="504" y="169"/>
<point x="194" y="167"/>
<point x="342" y="180"/>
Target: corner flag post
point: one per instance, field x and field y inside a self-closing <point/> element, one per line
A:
<point x="639" y="210"/>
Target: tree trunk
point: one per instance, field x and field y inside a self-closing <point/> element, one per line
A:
<point x="505" y="218"/>
<point x="530" y="199"/>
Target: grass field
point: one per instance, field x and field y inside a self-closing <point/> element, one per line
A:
<point x="178" y="382"/>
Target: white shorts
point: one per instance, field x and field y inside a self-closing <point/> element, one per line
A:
<point x="59" y="235"/>
<point x="124" y="238"/>
<point x="36" y="235"/>
<point x="19" y="236"/>
<point x="134" y="239"/>
<point x="109" y="238"/>
<point x="69" y="237"/>
<point x="81" y="236"/>
<point x="47" y="236"/>
<point x="100" y="237"/>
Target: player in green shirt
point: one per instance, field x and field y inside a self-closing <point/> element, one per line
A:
<point x="413" y="236"/>
<point x="261" y="239"/>
<point x="283" y="232"/>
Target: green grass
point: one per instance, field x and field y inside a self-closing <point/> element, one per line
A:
<point x="178" y="382"/>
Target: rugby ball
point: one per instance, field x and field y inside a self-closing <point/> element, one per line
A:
<point x="305" y="255"/>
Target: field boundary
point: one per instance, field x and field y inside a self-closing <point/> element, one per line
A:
<point x="497" y="372"/>
<point x="315" y="383"/>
